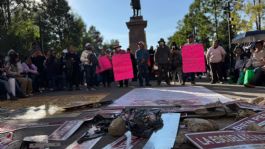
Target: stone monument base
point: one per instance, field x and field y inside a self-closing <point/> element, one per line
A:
<point x="136" y="27"/>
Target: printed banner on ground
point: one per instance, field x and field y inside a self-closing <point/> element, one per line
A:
<point x="104" y="64"/>
<point x="187" y="98"/>
<point x="228" y="140"/>
<point x="65" y="130"/>
<point x="122" y="67"/>
<point x="85" y="145"/>
<point x="168" y="133"/>
<point x="258" y="119"/>
<point x="245" y="105"/>
<point x="6" y="138"/>
<point x="7" y="127"/>
<point x="125" y="142"/>
<point x="193" y="58"/>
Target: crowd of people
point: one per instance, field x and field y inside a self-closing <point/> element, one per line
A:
<point x="251" y="58"/>
<point x="21" y="76"/>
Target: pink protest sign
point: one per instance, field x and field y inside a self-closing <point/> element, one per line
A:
<point x="122" y="67"/>
<point x="193" y="58"/>
<point x="104" y="64"/>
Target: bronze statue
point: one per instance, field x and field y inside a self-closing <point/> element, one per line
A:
<point x="136" y="5"/>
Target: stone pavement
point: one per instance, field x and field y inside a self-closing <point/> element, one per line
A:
<point x="49" y="106"/>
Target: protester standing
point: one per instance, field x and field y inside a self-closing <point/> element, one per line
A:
<point x="72" y="68"/>
<point x="142" y="58"/>
<point x="215" y="55"/>
<point x="152" y="62"/>
<point x="190" y="40"/>
<point x="134" y="64"/>
<point x="38" y="60"/>
<point x="176" y="64"/>
<point x="90" y="62"/>
<point x="162" y="60"/>
<point x="106" y="75"/>
<point x="50" y="65"/>
<point x="118" y="50"/>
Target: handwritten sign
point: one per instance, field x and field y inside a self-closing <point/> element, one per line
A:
<point x="104" y="64"/>
<point x="122" y="67"/>
<point x="193" y="58"/>
<point x="258" y="118"/>
<point x="228" y="140"/>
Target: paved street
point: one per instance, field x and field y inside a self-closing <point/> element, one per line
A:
<point x="48" y="106"/>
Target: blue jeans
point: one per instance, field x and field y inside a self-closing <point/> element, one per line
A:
<point x="143" y="72"/>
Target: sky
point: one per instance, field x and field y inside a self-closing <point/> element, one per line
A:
<point x="110" y="17"/>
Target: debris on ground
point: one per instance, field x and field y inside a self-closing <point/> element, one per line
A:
<point x="200" y="125"/>
<point x="242" y="113"/>
<point x="127" y="126"/>
<point x="117" y="127"/>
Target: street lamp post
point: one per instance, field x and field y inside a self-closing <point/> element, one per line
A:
<point x="228" y="12"/>
<point x="41" y="35"/>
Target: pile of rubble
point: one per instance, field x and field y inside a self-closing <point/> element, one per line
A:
<point x="217" y="125"/>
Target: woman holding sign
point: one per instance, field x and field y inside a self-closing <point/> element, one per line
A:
<point x="105" y="69"/>
<point x="118" y="50"/>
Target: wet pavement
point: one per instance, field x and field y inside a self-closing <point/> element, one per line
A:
<point x="49" y="107"/>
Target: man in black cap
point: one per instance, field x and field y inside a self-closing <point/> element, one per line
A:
<point x="162" y="60"/>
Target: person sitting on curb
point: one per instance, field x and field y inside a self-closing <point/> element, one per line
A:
<point x="257" y="61"/>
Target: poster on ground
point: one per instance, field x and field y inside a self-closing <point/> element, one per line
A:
<point x="168" y="132"/>
<point x="122" y="67"/>
<point x="127" y="141"/>
<point x="258" y="119"/>
<point x="228" y="140"/>
<point x="65" y="130"/>
<point x="85" y="145"/>
<point x="193" y="58"/>
<point x="187" y="98"/>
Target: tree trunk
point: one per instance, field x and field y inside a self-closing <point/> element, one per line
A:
<point x="8" y="12"/>
<point x="259" y="17"/>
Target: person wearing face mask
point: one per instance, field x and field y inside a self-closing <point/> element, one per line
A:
<point x="215" y="55"/>
<point x="162" y="60"/>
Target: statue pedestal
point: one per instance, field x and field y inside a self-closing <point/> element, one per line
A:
<point x="136" y="27"/>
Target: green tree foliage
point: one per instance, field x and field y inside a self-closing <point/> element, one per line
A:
<point x="110" y="44"/>
<point x="51" y="23"/>
<point x="195" y="22"/>
<point x="206" y="17"/>
<point x="94" y="37"/>
<point x="17" y="25"/>
<point x="255" y="9"/>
